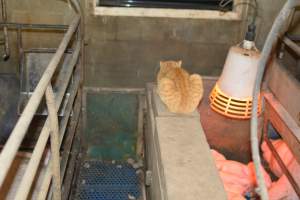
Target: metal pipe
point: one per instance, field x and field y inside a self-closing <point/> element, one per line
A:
<point x="292" y="45"/>
<point x="72" y="166"/>
<point x="270" y="41"/>
<point x="140" y="135"/>
<point x="20" y="58"/>
<point x="47" y="177"/>
<point x="70" y="134"/>
<point x="45" y="50"/>
<point x="45" y="185"/>
<point x="12" y="145"/>
<point x="54" y="139"/>
<point x="76" y="6"/>
<point x="4" y="18"/>
<point x="283" y="167"/>
<point x="42" y="27"/>
<point x="295" y="38"/>
<point x="33" y="164"/>
<point x="64" y="122"/>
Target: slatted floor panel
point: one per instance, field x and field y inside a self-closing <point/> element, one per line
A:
<point x="107" y="181"/>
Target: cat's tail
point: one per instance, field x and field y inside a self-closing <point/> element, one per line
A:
<point x="169" y="94"/>
<point x="195" y="92"/>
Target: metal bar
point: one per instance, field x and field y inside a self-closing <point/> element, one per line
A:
<point x="95" y="90"/>
<point x="70" y="174"/>
<point x="21" y="60"/>
<point x="47" y="177"/>
<point x="45" y="50"/>
<point x="45" y="185"/>
<point x="83" y="138"/>
<point x="66" y="74"/>
<point x="4" y="18"/>
<point x="54" y="27"/>
<point x="276" y="155"/>
<point x="283" y="167"/>
<point x="287" y="129"/>
<point x="284" y="124"/>
<point x="295" y="38"/>
<point x="70" y="135"/>
<point x="11" y="147"/>
<point x="42" y="141"/>
<point x="292" y="45"/>
<point x="54" y="139"/>
<point x="140" y="135"/>
<point x="79" y="160"/>
<point x="55" y="158"/>
<point x="64" y="122"/>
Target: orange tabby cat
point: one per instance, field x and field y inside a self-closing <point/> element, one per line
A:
<point x="180" y="91"/>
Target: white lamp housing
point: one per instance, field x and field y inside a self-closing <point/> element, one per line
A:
<point x="232" y="94"/>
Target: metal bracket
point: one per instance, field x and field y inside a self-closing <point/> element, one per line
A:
<point x="148" y="178"/>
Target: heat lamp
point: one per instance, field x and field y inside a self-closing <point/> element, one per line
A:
<point x="232" y="94"/>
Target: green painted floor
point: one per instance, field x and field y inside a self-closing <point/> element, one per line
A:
<point x="111" y="129"/>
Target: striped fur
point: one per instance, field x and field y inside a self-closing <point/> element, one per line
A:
<point x="180" y="91"/>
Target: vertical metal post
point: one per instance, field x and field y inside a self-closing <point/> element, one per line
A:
<point x="20" y="49"/>
<point x="4" y="19"/>
<point x="54" y="138"/>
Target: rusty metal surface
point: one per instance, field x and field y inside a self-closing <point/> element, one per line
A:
<point x="229" y="136"/>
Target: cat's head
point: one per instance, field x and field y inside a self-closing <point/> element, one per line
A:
<point x="170" y="64"/>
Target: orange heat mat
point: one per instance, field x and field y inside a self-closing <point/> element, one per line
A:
<point x="238" y="178"/>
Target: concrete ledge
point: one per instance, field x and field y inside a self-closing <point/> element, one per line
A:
<point x="181" y="162"/>
<point x="164" y="12"/>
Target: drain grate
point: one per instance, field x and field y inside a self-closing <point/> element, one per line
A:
<point x="107" y="181"/>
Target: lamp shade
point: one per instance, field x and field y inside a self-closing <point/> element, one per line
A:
<point x="232" y="94"/>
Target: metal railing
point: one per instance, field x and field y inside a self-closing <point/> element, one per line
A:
<point x="52" y="127"/>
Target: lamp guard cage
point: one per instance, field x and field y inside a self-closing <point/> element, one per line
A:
<point x="230" y="106"/>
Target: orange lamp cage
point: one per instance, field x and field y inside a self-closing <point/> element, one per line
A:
<point x="229" y="106"/>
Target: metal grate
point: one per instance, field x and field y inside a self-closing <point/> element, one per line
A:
<point x="107" y="181"/>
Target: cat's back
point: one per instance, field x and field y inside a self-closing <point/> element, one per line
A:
<point x="178" y="75"/>
<point x="178" y="90"/>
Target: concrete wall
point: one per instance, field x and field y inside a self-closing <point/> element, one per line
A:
<point x="125" y="51"/>
<point x="267" y="12"/>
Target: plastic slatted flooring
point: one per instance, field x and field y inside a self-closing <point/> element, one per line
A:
<point x="107" y="181"/>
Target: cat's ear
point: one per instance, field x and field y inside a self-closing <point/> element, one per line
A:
<point x="179" y="63"/>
